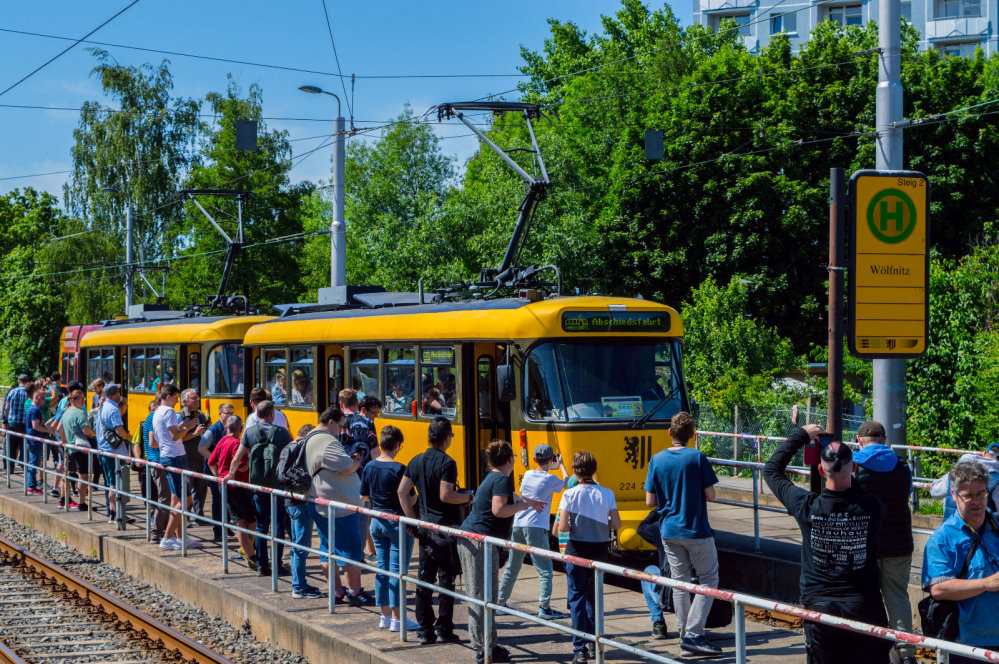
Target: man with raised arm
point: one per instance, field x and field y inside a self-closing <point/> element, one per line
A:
<point x="839" y="551"/>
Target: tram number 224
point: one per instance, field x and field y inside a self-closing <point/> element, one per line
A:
<point x="627" y="486"/>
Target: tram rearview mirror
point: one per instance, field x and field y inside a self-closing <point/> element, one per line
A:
<point x="506" y="387"/>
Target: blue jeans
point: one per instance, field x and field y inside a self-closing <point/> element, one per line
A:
<point x="385" y="534"/>
<point x="538" y="538"/>
<point x="34" y="449"/>
<point x="581" y="589"/>
<point x="651" y="592"/>
<point x="301" y="534"/>
<point x="262" y="509"/>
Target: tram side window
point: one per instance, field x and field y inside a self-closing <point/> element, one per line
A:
<point x="334" y="379"/>
<point x="137" y="369"/>
<point x="70" y="374"/>
<point x="400" y="379"/>
<point x="276" y="373"/>
<point x="225" y="370"/>
<point x="169" y="375"/>
<point x="301" y="377"/>
<point x="437" y="380"/>
<point x="486" y="382"/>
<point x="364" y="372"/>
<point x="542" y="392"/>
<point x="154" y="368"/>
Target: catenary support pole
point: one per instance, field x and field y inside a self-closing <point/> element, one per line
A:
<point x="889" y="375"/>
<point x="338" y="229"/>
<point x="129" y="268"/>
<point x="837" y="232"/>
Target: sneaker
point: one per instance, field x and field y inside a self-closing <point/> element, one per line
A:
<point x="284" y="569"/>
<point x="428" y="638"/>
<point x="34" y="492"/>
<point x="411" y="625"/>
<point x="193" y="543"/>
<point x="170" y="544"/>
<point x="579" y="657"/>
<point x="449" y="637"/>
<point x="359" y="599"/>
<point x="264" y="570"/>
<point x="385" y="621"/>
<point x="308" y="593"/>
<point x="155" y="539"/>
<point x="698" y="645"/>
<point x="659" y="630"/>
<point x="500" y="654"/>
<point x="54" y="493"/>
<point x="75" y="506"/>
<point x="548" y="613"/>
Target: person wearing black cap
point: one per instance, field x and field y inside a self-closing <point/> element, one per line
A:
<point x="882" y="473"/>
<point x="839" y="547"/>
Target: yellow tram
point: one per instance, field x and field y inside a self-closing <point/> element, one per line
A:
<point x="602" y="374"/>
<point x="204" y="353"/>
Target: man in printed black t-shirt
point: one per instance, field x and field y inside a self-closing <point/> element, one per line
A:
<point x="839" y="551"/>
<point x="434" y="475"/>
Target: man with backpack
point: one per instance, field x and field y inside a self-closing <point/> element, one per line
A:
<point x="293" y="475"/>
<point x="263" y="443"/>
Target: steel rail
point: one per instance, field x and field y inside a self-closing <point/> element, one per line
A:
<point x="172" y="640"/>
<point x="8" y="656"/>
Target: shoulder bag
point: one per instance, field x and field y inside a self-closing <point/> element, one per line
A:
<point x="939" y="616"/>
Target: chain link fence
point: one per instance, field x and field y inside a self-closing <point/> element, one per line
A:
<point x="773" y="421"/>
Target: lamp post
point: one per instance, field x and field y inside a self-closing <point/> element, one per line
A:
<point x="337" y="293"/>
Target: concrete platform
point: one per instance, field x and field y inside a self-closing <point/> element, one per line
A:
<point x="351" y="635"/>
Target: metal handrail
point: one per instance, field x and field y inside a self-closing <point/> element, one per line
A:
<point x="739" y="600"/>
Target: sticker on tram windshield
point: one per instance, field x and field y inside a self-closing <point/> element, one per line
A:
<point x="615" y="321"/>
<point x="622" y="406"/>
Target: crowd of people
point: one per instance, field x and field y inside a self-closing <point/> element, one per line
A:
<point x="857" y="540"/>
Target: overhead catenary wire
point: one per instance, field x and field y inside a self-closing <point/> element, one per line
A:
<point x="346" y="97"/>
<point x="65" y="50"/>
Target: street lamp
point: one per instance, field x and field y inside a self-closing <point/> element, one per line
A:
<point x="337" y="293"/>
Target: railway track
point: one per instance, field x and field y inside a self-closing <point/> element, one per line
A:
<point x="48" y="615"/>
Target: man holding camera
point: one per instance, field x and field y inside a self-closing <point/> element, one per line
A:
<point x="839" y="549"/>
<point x="531" y="527"/>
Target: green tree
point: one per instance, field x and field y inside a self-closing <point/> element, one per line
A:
<point x="141" y="152"/>
<point x="264" y="273"/>
<point x="32" y="312"/>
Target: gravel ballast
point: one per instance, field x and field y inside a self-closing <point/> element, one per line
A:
<point x="236" y="644"/>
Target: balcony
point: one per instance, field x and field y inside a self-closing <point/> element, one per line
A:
<point x="956" y="27"/>
<point x="720" y="5"/>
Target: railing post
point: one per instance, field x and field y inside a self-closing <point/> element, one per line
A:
<point x="67" y="491"/>
<point x="740" y="632"/>
<point x="24" y="465"/>
<point x="756" y="509"/>
<point x="41" y="471"/>
<point x="942" y="657"/>
<point x="183" y="514"/>
<point x="915" y="470"/>
<point x="148" y="501"/>
<point x="91" y="485"/>
<point x="598" y="614"/>
<point x="119" y="503"/>
<point x="402" y="584"/>
<point x="487" y="613"/>
<point x="329" y="553"/>
<point x="7" y="460"/>
<point x="225" y="530"/>
<point x="275" y="562"/>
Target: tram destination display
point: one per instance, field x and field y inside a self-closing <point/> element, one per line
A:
<point x="615" y="321"/>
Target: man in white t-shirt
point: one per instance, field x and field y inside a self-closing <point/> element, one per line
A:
<point x="531" y="527"/>
<point x="257" y="395"/>
<point x="587" y="512"/>
<point x="168" y="435"/>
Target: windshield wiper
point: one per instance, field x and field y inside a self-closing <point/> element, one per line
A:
<point x="640" y="422"/>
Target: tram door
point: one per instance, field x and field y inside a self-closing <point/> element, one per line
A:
<point x="334" y="374"/>
<point x="492" y="419"/>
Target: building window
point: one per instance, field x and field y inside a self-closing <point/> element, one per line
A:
<point x="742" y="20"/>
<point x="784" y="23"/>
<point x="846" y="15"/>
<point x="962" y="49"/>
<point x="957" y="8"/>
<point x="906" y="11"/>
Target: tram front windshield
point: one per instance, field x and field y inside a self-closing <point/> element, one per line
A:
<point x="607" y="380"/>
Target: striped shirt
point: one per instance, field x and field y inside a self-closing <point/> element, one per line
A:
<point x="15" y="400"/>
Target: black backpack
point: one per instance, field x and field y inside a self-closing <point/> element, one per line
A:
<point x="292" y="471"/>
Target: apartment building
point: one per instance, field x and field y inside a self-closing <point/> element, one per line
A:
<point x="954" y="27"/>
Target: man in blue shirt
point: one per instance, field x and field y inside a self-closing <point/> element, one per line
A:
<point x="977" y="591"/>
<point x="680" y="483"/>
<point x="13" y="415"/>
<point x="36" y="426"/>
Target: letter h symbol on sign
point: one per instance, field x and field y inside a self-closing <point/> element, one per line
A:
<point x="896" y="215"/>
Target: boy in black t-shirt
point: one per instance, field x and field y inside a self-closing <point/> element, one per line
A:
<point x="434" y="475"/>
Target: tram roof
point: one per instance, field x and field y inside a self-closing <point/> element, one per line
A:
<point x="508" y="318"/>
<point x="178" y="330"/>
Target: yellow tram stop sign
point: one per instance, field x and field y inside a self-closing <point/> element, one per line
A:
<point x="889" y="218"/>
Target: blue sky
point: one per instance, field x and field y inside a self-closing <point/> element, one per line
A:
<point x="372" y="38"/>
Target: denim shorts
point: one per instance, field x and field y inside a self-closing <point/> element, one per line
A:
<point x="347" y="531"/>
<point x="174" y="479"/>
